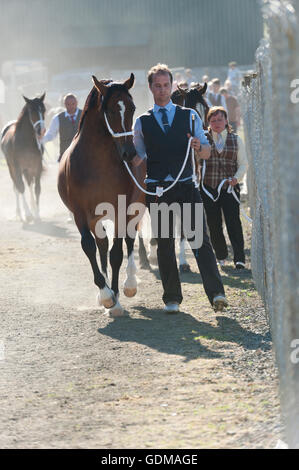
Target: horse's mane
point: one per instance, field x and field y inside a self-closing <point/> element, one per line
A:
<point x="90" y="102"/>
<point x="23" y="112"/>
<point x="176" y="94"/>
<point x="92" y="99"/>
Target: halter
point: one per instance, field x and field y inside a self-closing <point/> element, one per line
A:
<point x="34" y="125"/>
<point x="116" y="135"/>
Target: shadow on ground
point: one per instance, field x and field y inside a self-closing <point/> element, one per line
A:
<point x="181" y="334"/>
<point x="48" y="228"/>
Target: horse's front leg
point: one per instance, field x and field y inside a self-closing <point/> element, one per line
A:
<point x="106" y="296"/>
<point x="130" y="284"/>
<point x="20" y="191"/>
<point x="116" y="258"/>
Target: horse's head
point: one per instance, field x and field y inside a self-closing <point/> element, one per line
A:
<point x="118" y="110"/>
<point x="36" y="111"/>
<point x="192" y="98"/>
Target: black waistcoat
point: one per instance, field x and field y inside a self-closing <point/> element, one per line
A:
<point x="166" y="152"/>
<point x="67" y="130"/>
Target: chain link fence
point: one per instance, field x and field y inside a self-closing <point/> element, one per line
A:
<point x="271" y="128"/>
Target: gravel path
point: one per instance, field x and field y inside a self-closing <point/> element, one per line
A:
<point x="72" y="377"/>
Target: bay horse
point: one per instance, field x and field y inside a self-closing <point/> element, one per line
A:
<point x="189" y="98"/>
<point x="23" y="153"/>
<point x="92" y="173"/>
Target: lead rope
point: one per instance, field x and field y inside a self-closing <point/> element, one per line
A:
<point x="230" y="190"/>
<point x="159" y="190"/>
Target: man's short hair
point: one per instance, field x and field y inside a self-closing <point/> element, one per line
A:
<point x="159" y="68"/>
<point x="230" y="64"/>
<point x="215" y="81"/>
<point x="69" y="95"/>
<point x="223" y="90"/>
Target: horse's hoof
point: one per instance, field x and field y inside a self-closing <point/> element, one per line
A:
<point x="185" y="268"/>
<point x="109" y="303"/>
<point x="106" y="298"/>
<point x="130" y="287"/>
<point x="130" y="291"/>
<point x="116" y="311"/>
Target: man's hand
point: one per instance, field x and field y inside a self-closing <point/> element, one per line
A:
<point x="201" y="151"/>
<point x="233" y="181"/>
<point x="42" y="133"/>
<point x="195" y="143"/>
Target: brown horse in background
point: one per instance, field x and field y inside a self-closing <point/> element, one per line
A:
<point x="92" y="173"/>
<point x="23" y="152"/>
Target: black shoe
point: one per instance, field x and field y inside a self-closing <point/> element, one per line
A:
<point x="240" y="265"/>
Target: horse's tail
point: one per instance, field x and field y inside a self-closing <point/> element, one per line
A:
<point x="6" y="127"/>
<point x="3" y="132"/>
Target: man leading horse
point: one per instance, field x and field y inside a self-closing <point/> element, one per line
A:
<point x="161" y="138"/>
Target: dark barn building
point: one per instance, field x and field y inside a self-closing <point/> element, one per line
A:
<point x="132" y="33"/>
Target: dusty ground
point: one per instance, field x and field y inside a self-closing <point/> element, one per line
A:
<point x="72" y="377"/>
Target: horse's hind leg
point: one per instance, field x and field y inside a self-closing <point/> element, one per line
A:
<point x="18" y="207"/>
<point x="106" y="296"/>
<point x="130" y="284"/>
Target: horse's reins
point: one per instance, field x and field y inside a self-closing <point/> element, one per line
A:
<point x="34" y="125"/>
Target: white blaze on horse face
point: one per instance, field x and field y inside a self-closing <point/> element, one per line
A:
<point x="122" y="114"/>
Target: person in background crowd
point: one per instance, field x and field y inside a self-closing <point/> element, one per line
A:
<point x="183" y="84"/>
<point x="213" y="97"/>
<point x="234" y="75"/>
<point x="161" y="139"/>
<point x="178" y="77"/>
<point x="189" y="76"/>
<point x="227" y="162"/>
<point x="65" y="124"/>
<point x="228" y="86"/>
<point x="233" y="109"/>
<point x="206" y="79"/>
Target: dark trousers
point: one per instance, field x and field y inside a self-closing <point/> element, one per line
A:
<point x="230" y="208"/>
<point x="205" y="258"/>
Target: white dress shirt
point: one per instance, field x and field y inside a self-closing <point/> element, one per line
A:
<point x="54" y="126"/>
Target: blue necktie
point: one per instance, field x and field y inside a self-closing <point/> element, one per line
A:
<point x="164" y="120"/>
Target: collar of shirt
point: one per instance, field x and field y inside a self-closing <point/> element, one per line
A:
<point x="223" y="135"/>
<point x="168" y="107"/>
<point x="70" y="115"/>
